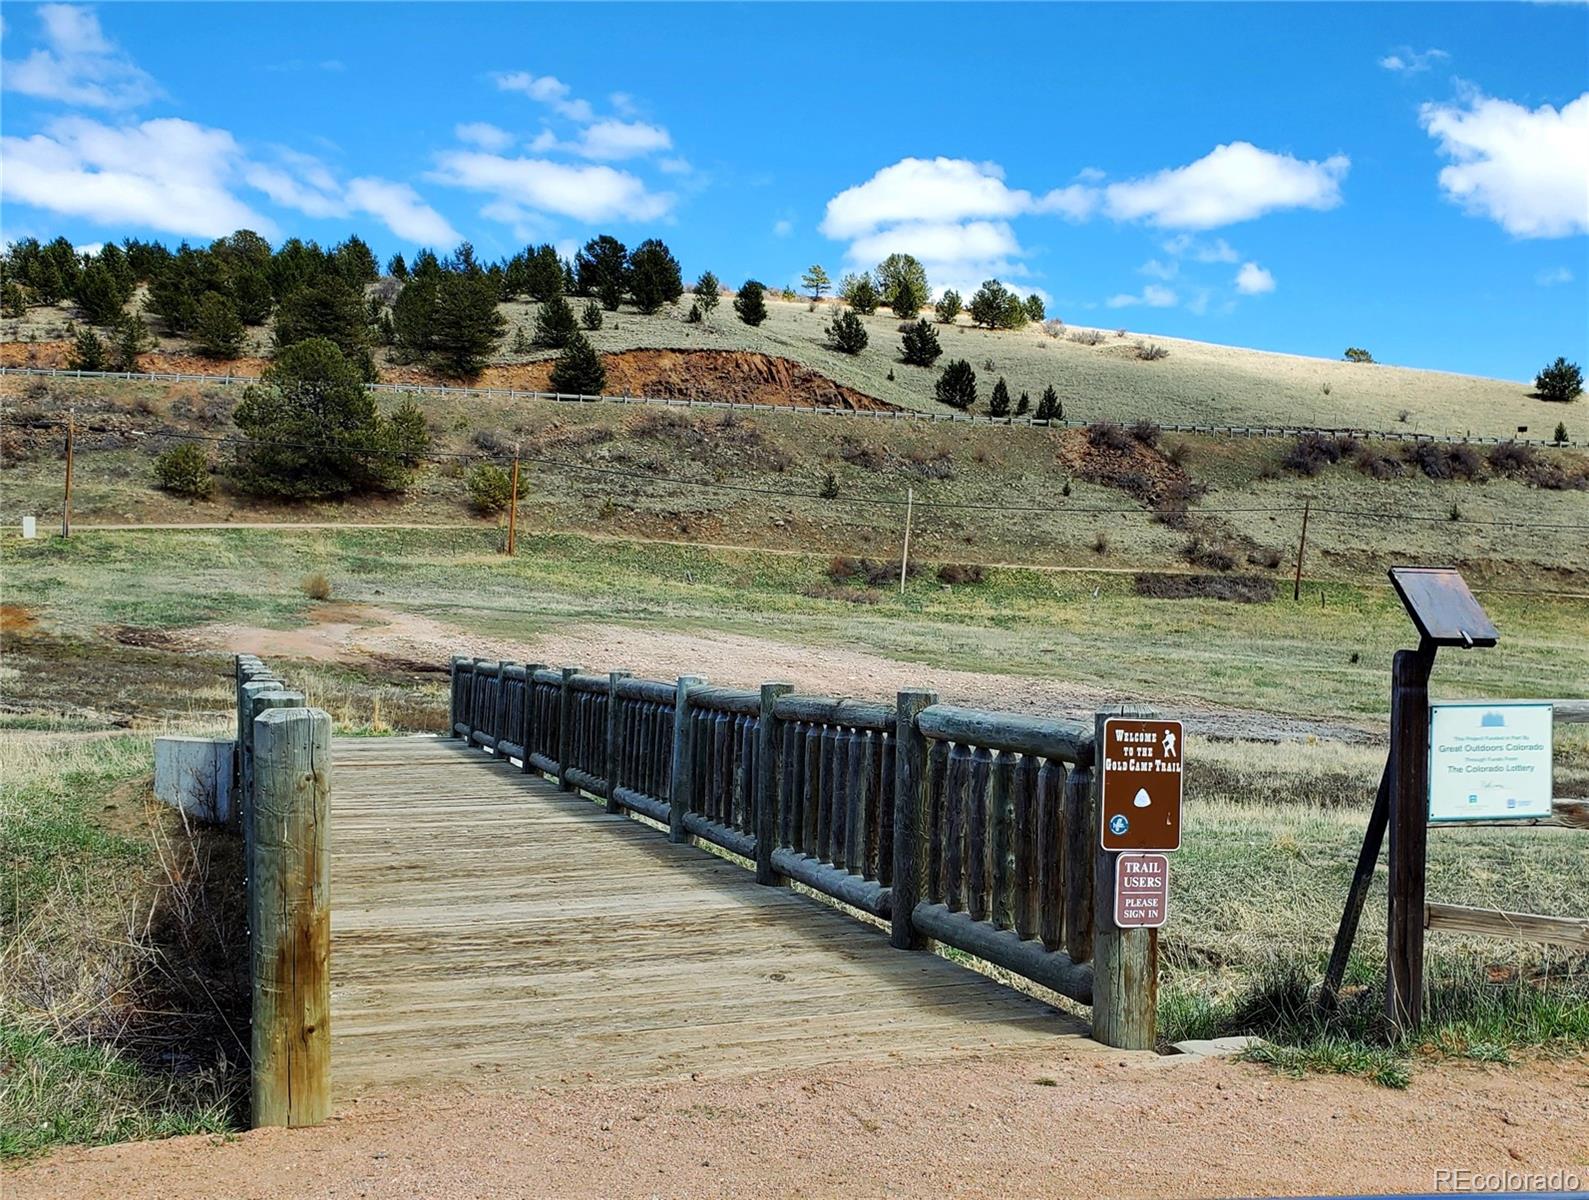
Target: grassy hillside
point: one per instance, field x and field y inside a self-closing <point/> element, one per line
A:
<point x="985" y="493"/>
<point x="1197" y="383"/>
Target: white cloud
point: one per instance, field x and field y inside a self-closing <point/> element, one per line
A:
<point x="1410" y="62"/>
<point x="79" y="64"/>
<point x="1160" y="270"/>
<point x="1525" y="169"/>
<point x="606" y="141"/>
<point x="1253" y="280"/>
<point x="314" y="196"/>
<point x="1554" y="277"/>
<point x="483" y="134"/>
<point x="1231" y="183"/>
<point x="957" y="255"/>
<point x="674" y="165"/>
<point x="90" y="249"/>
<point x="1184" y="245"/>
<point x="548" y="90"/>
<point x="400" y="208"/>
<point x="935" y="190"/>
<point x="167" y="174"/>
<point x="1153" y="296"/>
<point x="585" y="192"/>
<point x="623" y="104"/>
<point x="782" y="228"/>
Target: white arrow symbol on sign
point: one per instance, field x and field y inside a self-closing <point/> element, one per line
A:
<point x="1142" y="799"/>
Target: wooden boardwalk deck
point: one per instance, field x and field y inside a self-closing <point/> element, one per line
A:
<point x="488" y="928"/>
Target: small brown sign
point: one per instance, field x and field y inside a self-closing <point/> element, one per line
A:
<point x="1142" y="890"/>
<point x="1141" y="784"/>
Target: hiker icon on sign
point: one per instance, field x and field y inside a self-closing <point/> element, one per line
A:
<point x="1118" y="824"/>
<point x="1169" y="744"/>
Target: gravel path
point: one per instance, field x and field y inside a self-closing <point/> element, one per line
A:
<point x="1025" y="1124"/>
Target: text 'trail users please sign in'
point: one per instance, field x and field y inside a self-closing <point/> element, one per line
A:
<point x="1489" y="762"/>
<point x="1141" y="785"/>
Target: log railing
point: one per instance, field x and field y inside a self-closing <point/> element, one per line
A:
<point x="969" y="828"/>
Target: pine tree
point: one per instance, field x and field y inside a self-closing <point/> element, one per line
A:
<point x="1560" y="437"/>
<point x="1023" y="405"/>
<point x="311" y="423"/>
<point x="591" y="318"/>
<point x="999" y="402"/>
<point x="1036" y="310"/>
<point x="543" y="273"/>
<point x="816" y="281"/>
<point x="217" y="329"/>
<point x="1014" y="313"/>
<point x="990" y="305"/>
<point x="1048" y="405"/>
<point x="466" y="325"/>
<point x="578" y="370"/>
<point x="957" y="385"/>
<point x="87" y="353"/>
<point x="860" y="293"/>
<point x="847" y="333"/>
<point x="751" y="302"/>
<point x="396" y="267"/>
<point x="948" y="307"/>
<point x="413" y="315"/>
<point x="708" y="291"/>
<point x="99" y="294"/>
<point x="920" y="343"/>
<point x="132" y="339"/>
<point x="327" y="308"/>
<point x="1560" y="381"/>
<point x="555" y="325"/>
<point x="601" y="268"/>
<point x="654" y="276"/>
<point x="908" y="298"/>
<point x="897" y="271"/>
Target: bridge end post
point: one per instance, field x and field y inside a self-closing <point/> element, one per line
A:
<point x="290" y="919"/>
<point x="1125" y="989"/>
<point x="455" y="705"/>
<point x="565" y="728"/>
<point x="910" y="802"/>
<point x="610" y="770"/>
<point x="768" y="747"/>
<point x="679" y="791"/>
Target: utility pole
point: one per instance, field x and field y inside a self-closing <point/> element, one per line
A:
<point x="513" y="504"/>
<point x="904" y="557"/>
<point x="66" y="499"/>
<point x="1302" y="545"/>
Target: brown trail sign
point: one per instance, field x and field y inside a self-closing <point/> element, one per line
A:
<point x="1141" y="791"/>
<point x="1142" y="890"/>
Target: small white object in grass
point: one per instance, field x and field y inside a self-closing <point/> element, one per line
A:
<point x="30" y="528"/>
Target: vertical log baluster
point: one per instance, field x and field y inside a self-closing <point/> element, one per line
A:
<point x="1081" y="846"/>
<point x="1023" y="786"/>
<point x="1001" y="821"/>
<point x="977" y="835"/>
<point x="1050" y="853"/>
<point x="957" y="789"/>
<point x="937" y="778"/>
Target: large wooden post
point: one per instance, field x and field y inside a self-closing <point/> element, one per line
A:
<point x="610" y="770"/>
<point x="910" y="818"/>
<point x="1125" y="962"/>
<point x="679" y="793"/>
<point x="765" y="789"/>
<point x="565" y="728"/>
<point x="290" y="918"/>
<point x="1409" y="834"/>
<point x="255" y="702"/>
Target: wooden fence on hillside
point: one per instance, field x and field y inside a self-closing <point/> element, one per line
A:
<point x="886" y="414"/>
<point x="971" y="828"/>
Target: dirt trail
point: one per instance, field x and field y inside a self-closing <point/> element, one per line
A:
<point x="346" y="632"/>
<point x="1020" y="1124"/>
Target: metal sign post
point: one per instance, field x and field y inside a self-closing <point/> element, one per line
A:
<point x="1445" y="614"/>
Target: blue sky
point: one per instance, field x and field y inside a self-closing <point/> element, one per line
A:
<point x="1410" y="178"/>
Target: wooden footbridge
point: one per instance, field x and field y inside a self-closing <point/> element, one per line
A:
<point x="601" y="878"/>
<point x="491" y="929"/>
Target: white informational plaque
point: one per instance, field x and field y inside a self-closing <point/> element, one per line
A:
<point x="1489" y="762"/>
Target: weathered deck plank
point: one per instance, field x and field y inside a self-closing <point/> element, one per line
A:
<point x="487" y="928"/>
